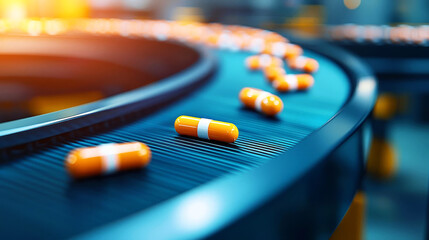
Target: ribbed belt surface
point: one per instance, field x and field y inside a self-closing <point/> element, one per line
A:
<point x="39" y="199"/>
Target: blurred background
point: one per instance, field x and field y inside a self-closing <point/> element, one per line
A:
<point x="303" y="15"/>
<point x="389" y="35"/>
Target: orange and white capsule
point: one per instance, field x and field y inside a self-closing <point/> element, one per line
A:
<point x="107" y="158"/>
<point x="206" y="129"/>
<point x="293" y="82"/>
<point x="284" y="50"/>
<point x="272" y="72"/>
<point x="305" y="64"/>
<point x="261" y="101"/>
<point x="262" y="61"/>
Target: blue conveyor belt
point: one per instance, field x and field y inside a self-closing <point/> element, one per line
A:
<point x="38" y="196"/>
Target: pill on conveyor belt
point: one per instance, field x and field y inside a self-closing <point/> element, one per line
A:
<point x="305" y="64"/>
<point x="107" y="158"/>
<point x="262" y="61"/>
<point x="293" y="82"/>
<point x="272" y="72"/>
<point x="261" y="101"/>
<point x="206" y="129"/>
<point x="284" y="50"/>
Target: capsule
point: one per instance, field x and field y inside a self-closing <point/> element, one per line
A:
<point x="262" y="61"/>
<point x="262" y="101"/>
<point x="272" y="72"/>
<point x="206" y="129"/>
<point x="284" y="50"/>
<point x="107" y="158"/>
<point x="305" y="64"/>
<point x="293" y="82"/>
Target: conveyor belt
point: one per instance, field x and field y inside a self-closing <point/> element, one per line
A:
<point x="42" y="201"/>
<point x="397" y="66"/>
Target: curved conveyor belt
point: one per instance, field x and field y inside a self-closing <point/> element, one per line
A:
<point x="297" y="171"/>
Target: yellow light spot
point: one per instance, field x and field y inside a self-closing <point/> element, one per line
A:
<point x="352" y="4"/>
<point x="3" y="26"/>
<point x="34" y="27"/>
<point x="53" y="27"/>
<point x="13" y="9"/>
<point x="51" y="103"/>
<point x="71" y="8"/>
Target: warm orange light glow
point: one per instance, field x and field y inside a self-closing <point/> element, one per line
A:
<point x="71" y="8"/>
<point x="352" y="4"/>
<point x="34" y="27"/>
<point x="51" y="103"/>
<point x="13" y="9"/>
<point x="17" y="10"/>
<point x="3" y="26"/>
<point x="234" y="38"/>
<point x="54" y="26"/>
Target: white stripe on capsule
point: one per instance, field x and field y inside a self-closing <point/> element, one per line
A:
<point x="292" y="80"/>
<point x="300" y="62"/>
<point x="110" y="158"/>
<point x="258" y="101"/>
<point x="203" y="128"/>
